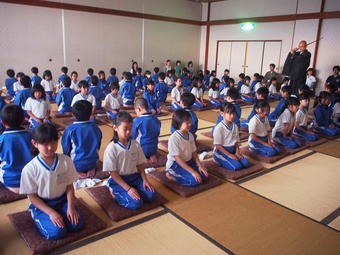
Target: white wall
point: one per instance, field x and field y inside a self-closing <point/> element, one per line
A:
<point x="35" y="34"/>
<point x="329" y="49"/>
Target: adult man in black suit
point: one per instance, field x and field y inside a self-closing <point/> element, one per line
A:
<point x="296" y="66"/>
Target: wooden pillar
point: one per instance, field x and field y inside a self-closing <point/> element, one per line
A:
<point x="207" y="39"/>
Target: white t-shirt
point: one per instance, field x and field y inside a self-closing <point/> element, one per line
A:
<point x="197" y="92"/>
<point x="301" y="117"/>
<point x="284" y="118"/>
<point x="45" y="181"/>
<point x="123" y="160"/>
<point x="38" y="107"/>
<point x="176" y="93"/>
<point x="179" y="145"/>
<point x="257" y="86"/>
<point x="225" y="135"/>
<point x="336" y="113"/>
<point x="48" y="85"/>
<point x="114" y="102"/>
<point x="272" y="89"/>
<point x="214" y="93"/>
<point x="75" y="86"/>
<point x="245" y="89"/>
<point x="310" y="82"/>
<point x="17" y="86"/>
<point x="80" y="96"/>
<point x="169" y="81"/>
<point x="258" y="127"/>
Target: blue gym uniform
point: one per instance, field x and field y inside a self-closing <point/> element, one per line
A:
<point x="21" y="98"/>
<point x="103" y="87"/>
<point x="64" y="100"/>
<point x="36" y="79"/>
<point x="275" y="114"/>
<point x="9" y="86"/>
<point x="15" y="145"/>
<point x="239" y="85"/>
<point x="97" y="93"/>
<point x="50" y="184"/>
<point x="161" y="90"/>
<point x="322" y="120"/>
<point x="301" y="119"/>
<point x="138" y="82"/>
<point x="154" y="77"/>
<point x="111" y="78"/>
<point x="81" y="141"/>
<point x="184" y="147"/>
<point x="194" y="123"/>
<point x="187" y="83"/>
<point x="152" y="99"/>
<point x="128" y="91"/>
<point x="124" y="160"/>
<point x="146" y="129"/>
<point x="88" y="79"/>
<point x="227" y="137"/>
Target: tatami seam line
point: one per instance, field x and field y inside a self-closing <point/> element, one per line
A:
<point x="201" y="233"/>
<point x="110" y="232"/>
<point x="328" y="219"/>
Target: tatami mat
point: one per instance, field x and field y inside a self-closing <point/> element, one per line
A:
<point x="331" y="148"/>
<point x="248" y="224"/>
<point x="309" y="186"/>
<point x="166" y="126"/>
<point x="162" y="235"/>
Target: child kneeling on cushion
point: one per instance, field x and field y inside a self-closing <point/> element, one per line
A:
<point x="183" y="164"/>
<point x="48" y="181"/>
<point x="124" y="159"/>
<point x="260" y="140"/>
<point x="226" y="140"/>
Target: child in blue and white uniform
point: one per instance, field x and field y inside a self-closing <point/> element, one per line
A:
<point x="112" y="77"/>
<point x="96" y="91"/>
<point x="261" y="94"/>
<point x="187" y="83"/>
<point x="35" y="79"/>
<point x="147" y="75"/>
<point x="282" y="132"/>
<point x="226" y="141"/>
<point x="151" y="97"/>
<point x="176" y="94"/>
<point x="74" y="82"/>
<point x="183" y="165"/>
<point x="63" y="71"/>
<point x="49" y="85"/>
<point x="22" y="96"/>
<point x="65" y="96"/>
<point x="127" y="90"/>
<point x="169" y="80"/>
<point x="48" y="181"/>
<point x="256" y="79"/>
<point x="301" y="117"/>
<point x="186" y="102"/>
<point x="214" y="93"/>
<point x="246" y="94"/>
<point x="285" y="93"/>
<point x="197" y="91"/>
<point x="38" y="107"/>
<point x="273" y="94"/>
<point x="137" y="80"/>
<point x="113" y="101"/>
<point x="9" y="82"/>
<point x="146" y="129"/>
<point x="102" y="84"/>
<point x="81" y="140"/>
<point x="231" y="97"/>
<point x="260" y="83"/>
<point x="17" y="86"/>
<point x="336" y="111"/>
<point x="323" y="121"/>
<point x="161" y="88"/>
<point x="84" y="95"/>
<point x="124" y="159"/>
<point x="260" y="140"/>
<point x="14" y="141"/>
<point x="241" y="77"/>
<point x="90" y="72"/>
<point x="154" y="77"/>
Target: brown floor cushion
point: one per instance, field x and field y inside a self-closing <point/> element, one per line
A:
<point x="9" y="196"/>
<point x="245" y="151"/>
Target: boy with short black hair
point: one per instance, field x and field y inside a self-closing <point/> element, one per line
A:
<point x="15" y="145"/>
<point x="161" y="88"/>
<point x="286" y="91"/>
<point x="147" y="75"/>
<point x="65" y="96"/>
<point x="146" y="129"/>
<point x="241" y="76"/>
<point x="96" y="91"/>
<point x="84" y="95"/>
<point x="9" y="82"/>
<point x="137" y="81"/>
<point x="81" y="140"/>
<point x="22" y="96"/>
<point x="128" y="91"/>
<point x="64" y="71"/>
<point x="112" y="77"/>
<point x="113" y="101"/>
<point x="154" y="77"/>
<point x="17" y="85"/>
<point x="90" y="72"/>
<point x="36" y="79"/>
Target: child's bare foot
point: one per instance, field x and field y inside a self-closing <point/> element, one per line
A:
<point x="170" y="177"/>
<point x="153" y="159"/>
<point x="14" y="190"/>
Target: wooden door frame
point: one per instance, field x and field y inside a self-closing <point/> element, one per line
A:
<point x="246" y="41"/>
